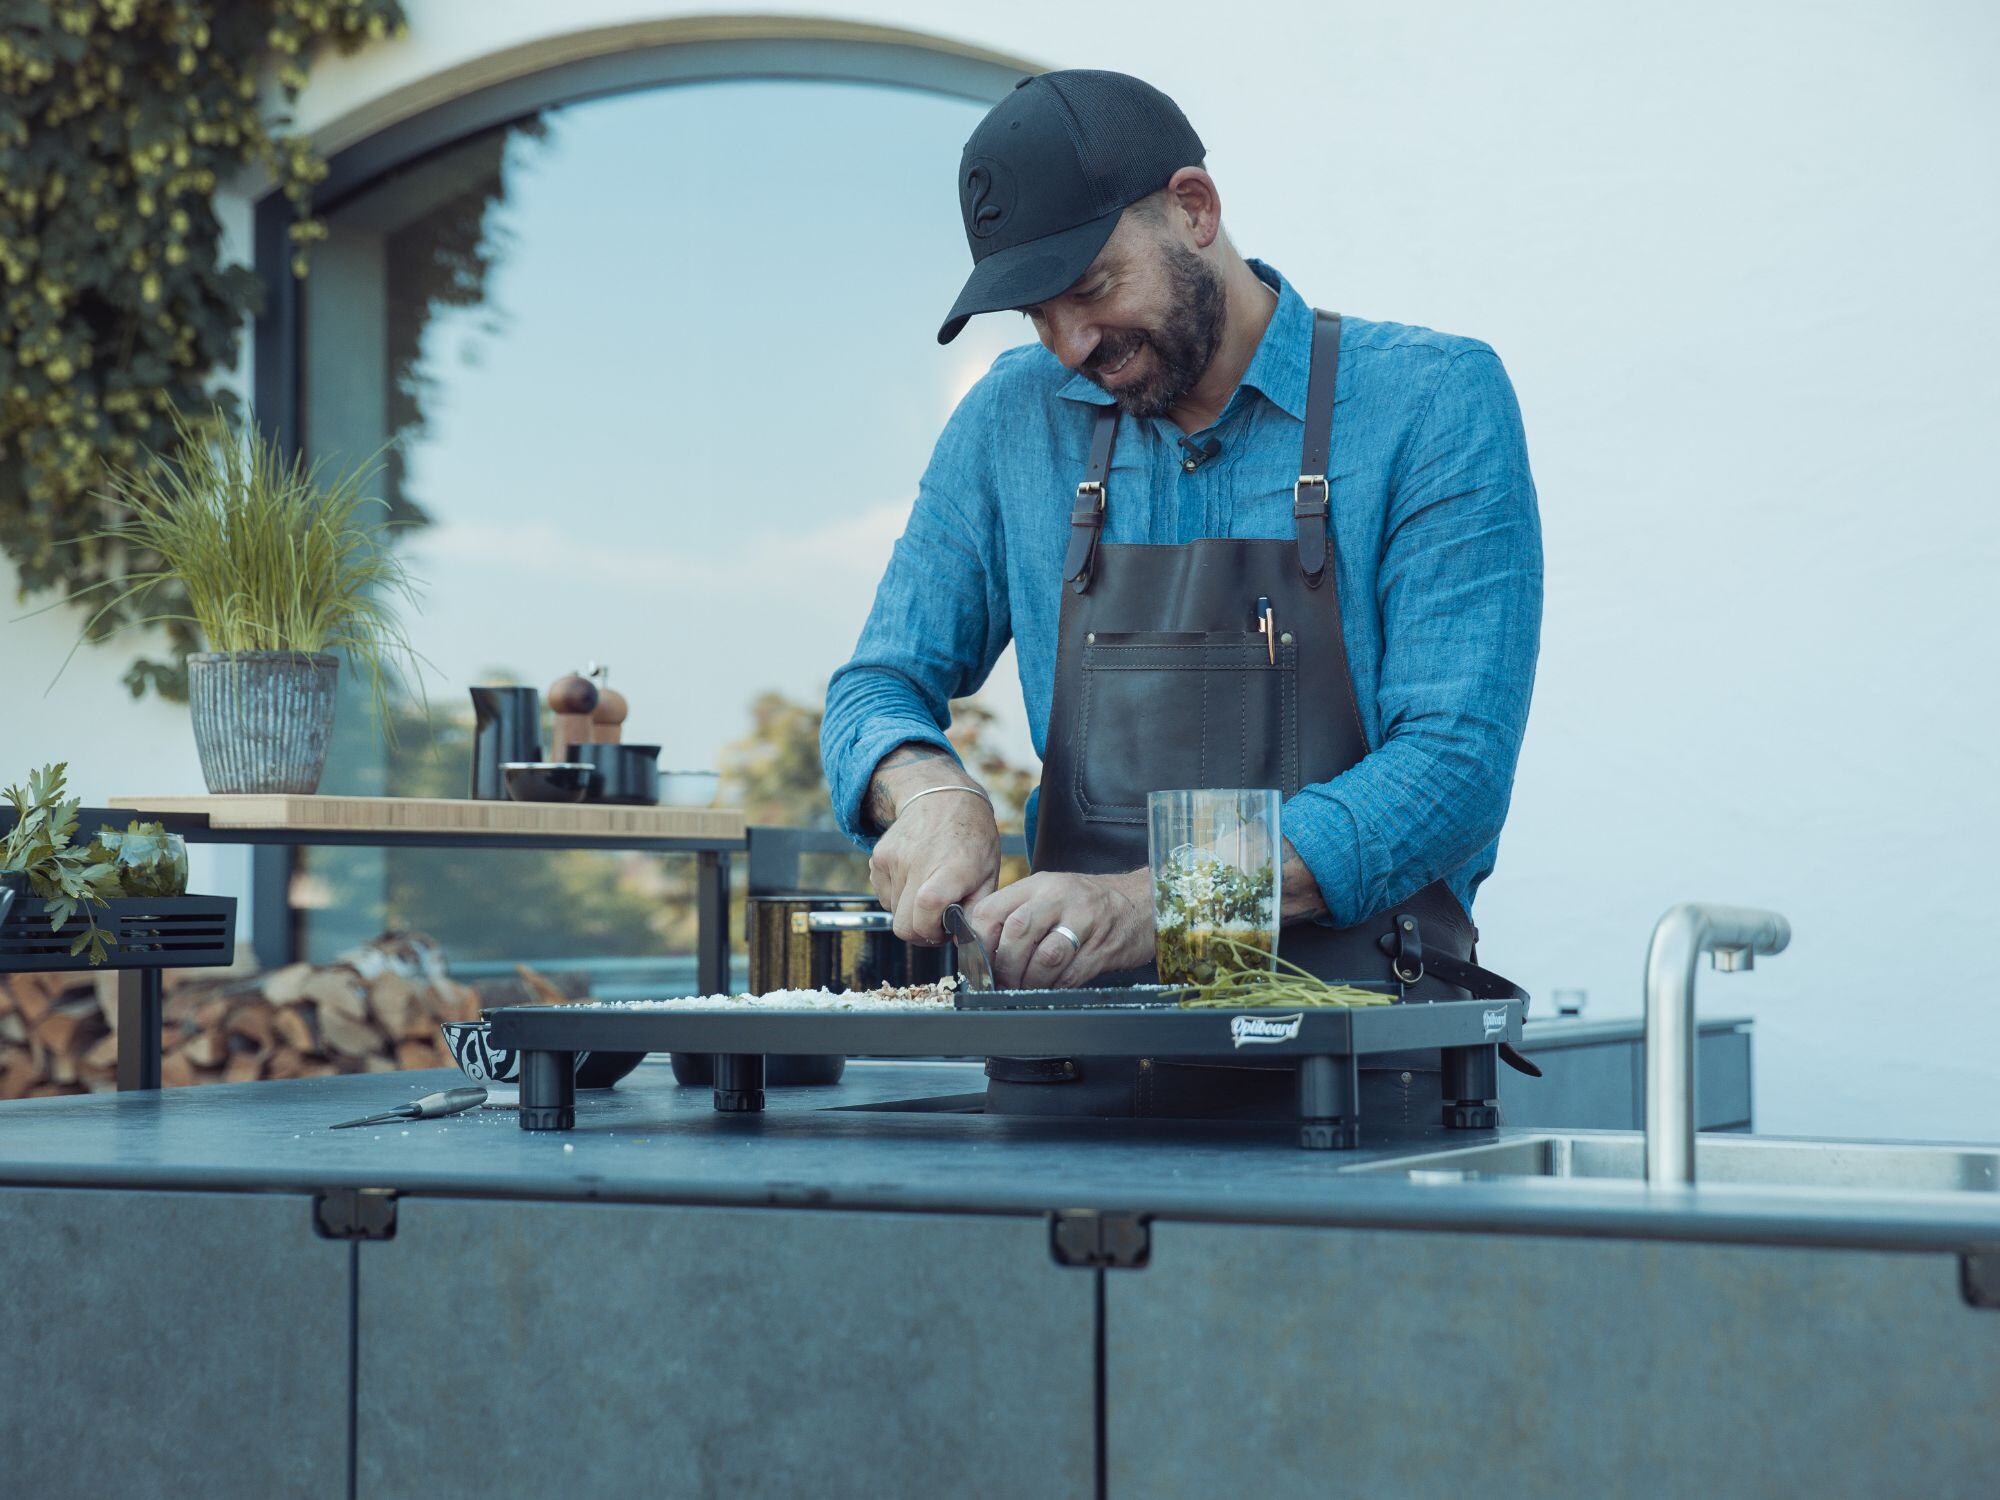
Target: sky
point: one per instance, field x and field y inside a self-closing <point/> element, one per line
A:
<point x="685" y="430"/>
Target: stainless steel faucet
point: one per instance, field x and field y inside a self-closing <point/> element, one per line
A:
<point x="1732" y="935"/>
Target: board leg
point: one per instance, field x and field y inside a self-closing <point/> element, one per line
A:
<point x="739" y="1082"/>
<point x="1472" y="1087"/>
<point x="1329" y="1103"/>
<point x="548" y="1090"/>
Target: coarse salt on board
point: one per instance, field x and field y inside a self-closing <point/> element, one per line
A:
<point x="907" y="997"/>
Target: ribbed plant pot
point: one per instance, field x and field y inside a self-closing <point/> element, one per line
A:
<point x="262" y="719"/>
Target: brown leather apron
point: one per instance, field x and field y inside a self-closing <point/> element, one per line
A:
<point x="1164" y="681"/>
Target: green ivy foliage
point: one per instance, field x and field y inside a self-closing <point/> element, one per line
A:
<point x="119" y="119"/>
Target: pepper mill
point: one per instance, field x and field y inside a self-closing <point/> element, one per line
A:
<point x="607" y="720"/>
<point x="572" y="697"/>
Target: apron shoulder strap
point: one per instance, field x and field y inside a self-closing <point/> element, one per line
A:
<point x="1312" y="494"/>
<point x="1086" y="520"/>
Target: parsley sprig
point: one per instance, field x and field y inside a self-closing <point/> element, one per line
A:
<point x="70" y="877"/>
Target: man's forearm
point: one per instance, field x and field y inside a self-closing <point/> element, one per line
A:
<point x="907" y="768"/>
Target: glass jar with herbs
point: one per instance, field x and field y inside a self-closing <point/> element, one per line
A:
<point x="1215" y="866"/>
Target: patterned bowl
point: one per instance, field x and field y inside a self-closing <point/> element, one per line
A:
<point x="482" y="1062"/>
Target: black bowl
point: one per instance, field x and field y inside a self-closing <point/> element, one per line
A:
<point x="548" y="780"/>
<point x="482" y="1062"/>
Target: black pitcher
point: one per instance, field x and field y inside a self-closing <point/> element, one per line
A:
<point x="507" y="725"/>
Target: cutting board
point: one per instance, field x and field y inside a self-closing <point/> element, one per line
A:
<point x="444" y="815"/>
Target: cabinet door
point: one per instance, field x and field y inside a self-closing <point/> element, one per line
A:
<point x="171" y="1344"/>
<point x="1264" y="1360"/>
<point x="573" y="1350"/>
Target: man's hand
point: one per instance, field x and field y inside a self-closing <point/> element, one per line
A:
<point x="1299" y="892"/>
<point x="943" y="849"/>
<point x="1111" y="914"/>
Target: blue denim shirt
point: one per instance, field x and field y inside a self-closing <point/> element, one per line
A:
<point x="1440" y="572"/>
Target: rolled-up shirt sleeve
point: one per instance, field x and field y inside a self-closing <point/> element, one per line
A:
<point x="1460" y="595"/>
<point x="939" y="621"/>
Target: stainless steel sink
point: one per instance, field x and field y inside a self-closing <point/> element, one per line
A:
<point x="1743" y="1160"/>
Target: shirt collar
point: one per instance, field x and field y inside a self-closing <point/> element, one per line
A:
<point x="1278" y="369"/>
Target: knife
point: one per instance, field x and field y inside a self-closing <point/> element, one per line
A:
<point x="973" y="963"/>
<point x="430" y="1107"/>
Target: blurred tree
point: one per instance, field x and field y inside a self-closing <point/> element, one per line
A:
<point x="773" y="774"/>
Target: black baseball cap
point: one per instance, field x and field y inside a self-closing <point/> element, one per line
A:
<point x="1047" y="173"/>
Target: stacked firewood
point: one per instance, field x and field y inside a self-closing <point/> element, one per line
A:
<point x="376" y="1010"/>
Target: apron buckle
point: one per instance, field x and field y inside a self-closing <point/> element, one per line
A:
<point x="1309" y="518"/>
<point x="1404" y="944"/>
<point x="1086" y="524"/>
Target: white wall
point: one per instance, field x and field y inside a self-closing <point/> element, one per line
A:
<point x="1740" y="261"/>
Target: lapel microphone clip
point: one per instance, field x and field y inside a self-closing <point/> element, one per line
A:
<point x="1199" y="453"/>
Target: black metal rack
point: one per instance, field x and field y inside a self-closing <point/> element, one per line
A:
<point x="1326" y="1043"/>
<point x="150" y="934"/>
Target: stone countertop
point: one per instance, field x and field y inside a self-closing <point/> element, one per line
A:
<point x="652" y="1141"/>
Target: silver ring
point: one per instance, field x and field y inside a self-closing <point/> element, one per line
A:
<point x="1075" y="941"/>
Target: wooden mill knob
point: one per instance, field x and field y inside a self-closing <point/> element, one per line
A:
<point x="572" y="694"/>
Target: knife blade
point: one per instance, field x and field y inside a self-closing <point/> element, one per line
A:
<point x="974" y="965"/>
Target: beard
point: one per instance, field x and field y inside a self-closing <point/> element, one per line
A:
<point x="1183" y="344"/>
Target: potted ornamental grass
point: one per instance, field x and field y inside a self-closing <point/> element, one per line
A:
<point x="286" y="568"/>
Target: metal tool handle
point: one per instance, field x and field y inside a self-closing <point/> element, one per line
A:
<point x="435" y="1106"/>
<point x="850" y="921"/>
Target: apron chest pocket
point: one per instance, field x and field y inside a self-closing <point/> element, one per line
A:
<point x="1165" y="710"/>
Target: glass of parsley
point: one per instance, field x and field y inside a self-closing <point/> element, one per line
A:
<point x="1214" y="858"/>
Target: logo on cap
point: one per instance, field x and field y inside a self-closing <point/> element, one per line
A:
<point x="986" y="196"/>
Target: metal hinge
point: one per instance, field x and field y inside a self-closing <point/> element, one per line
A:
<point x="355" y="1214"/>
<point x="1085" y="1237"/>
<point x="1979" y="1278"/>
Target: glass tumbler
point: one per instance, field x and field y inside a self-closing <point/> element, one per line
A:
<point x="1214" y="856"/>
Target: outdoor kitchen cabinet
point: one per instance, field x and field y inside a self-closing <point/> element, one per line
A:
<point x="171" y="1343"/>
<point x="556" y="1349"/>
<point x="1596" y="1076"/>
<point x="847" y="1300"/>
<point x="1334" y="1362"/>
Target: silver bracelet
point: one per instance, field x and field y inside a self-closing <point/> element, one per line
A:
<point x="948" y="787"/>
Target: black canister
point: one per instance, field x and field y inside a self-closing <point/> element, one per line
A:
<point x="506" y="726"/>
<point x="814" y="940"/>
<point x="625" y="773"/>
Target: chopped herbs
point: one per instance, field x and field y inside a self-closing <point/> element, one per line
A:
<point x="1209" y="916"/>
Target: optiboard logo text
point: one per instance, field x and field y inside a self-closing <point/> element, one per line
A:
<point x="1251" y="1030"/>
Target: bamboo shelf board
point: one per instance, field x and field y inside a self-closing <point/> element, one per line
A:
<point x="444" y="815"/>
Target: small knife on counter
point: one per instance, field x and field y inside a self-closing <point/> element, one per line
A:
<point x="430" y="1107"/>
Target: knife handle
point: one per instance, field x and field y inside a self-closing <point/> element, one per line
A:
<point x="451" y="1102"/>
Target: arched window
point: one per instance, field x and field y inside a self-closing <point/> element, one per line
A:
<point x="650" y="344"/>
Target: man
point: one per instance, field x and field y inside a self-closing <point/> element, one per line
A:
<point x="1333" y="520"/>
